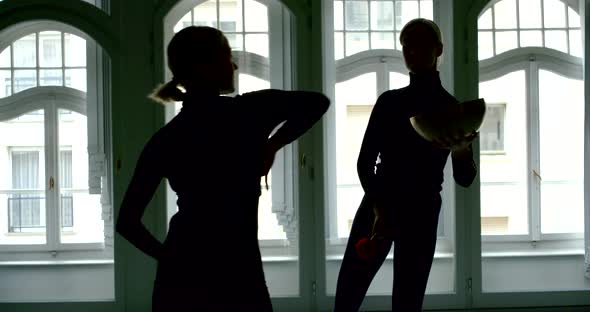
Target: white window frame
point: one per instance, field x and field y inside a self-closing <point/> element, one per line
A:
<point x="531" y="60"/>
<point x="277" y="70"/>
<point x="94" y="102"/>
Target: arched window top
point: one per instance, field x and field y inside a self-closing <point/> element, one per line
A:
<point x="373" y="24"/>
<point x="43" y="58"/>
<point x="244" y="22"/>
<point x="511" y="24"/>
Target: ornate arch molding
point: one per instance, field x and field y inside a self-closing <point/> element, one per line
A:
<point x="89" y="21"/>
<point x="39" y="97"/>
<point x="171" y="8"/>
<point x="555" y="61"/>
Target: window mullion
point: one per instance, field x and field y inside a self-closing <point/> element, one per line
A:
<point x="518" y="23"/>
<point x="382" y="78"/>
<point x="38" y="63"/>
<point x="276" y="44"/>
<point x="533" y="172"/>
<point x="12" y="69"/>
<point x="51" y="172"/>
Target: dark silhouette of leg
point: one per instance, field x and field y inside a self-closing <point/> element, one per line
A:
<point x="414" y="250"/>
<point x="356" y="274"/>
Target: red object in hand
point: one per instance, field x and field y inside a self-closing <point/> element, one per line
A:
<point x="366" y="248"/>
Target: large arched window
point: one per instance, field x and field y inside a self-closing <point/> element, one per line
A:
<point x="259" y="35"/>
<point x="531" y="143"/>
<point x="54" y="196"/>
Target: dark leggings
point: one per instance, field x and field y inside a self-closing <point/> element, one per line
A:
<point x="414" y="232"/>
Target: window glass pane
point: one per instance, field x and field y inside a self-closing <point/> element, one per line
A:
<point x="561" y="115"/>
<point x="236" y="41"/>
<point x="338" y="45"/>
<point x="249" y="83"/>
<point x="576" y="43"/>
<point x="338" y="15"/>
<point x="554" y="13"/>
<point x="25" y="52"/>
<point x="491" y="133"/>
<point x="80" y="212"/>
<point x="352" y="114"/>
<point x="356" y="15"/>
<point x="257" y="44"/>
<point x="382" y="40"/>
<point x="5" y="83"/>
<point x="505" y="40"/>
<point x="76" y="78"/>
<point x="356" y="42"/>
<point x="505" y="14"/>
<point x="531" y="38"/>
<point x="404" y="12"/>
<point x="397" y="80"/>
<point x="485" y="44"/>
<point x="256" y="16"/>
<point x="529" y="12"/>
<point x="556" y="39"/>
<point x="485" y="20"/>
<point x="230" y="13"/>
<point x="50" y="49"/>
<point x="75" y="50"/>
<point x="22" y="194"/>
<point x="426" y="9"/>
<point x="50" y="77"/>
<point x="382" y="17"/>
<point x="24" y="79"/>
<point x="184" y="22"/>
<point x="5" y="58"/>
<point x="205" y="14"/>
<point x="268" y="225"/>
<point x="503" y="176"/>
<point x="573" y="18"/>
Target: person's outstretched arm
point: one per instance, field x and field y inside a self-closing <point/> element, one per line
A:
<point x="370" y="148"/>
<point x="300" y="110"/>
<point x="297" y="110"/>
<point x="144" y="182"/>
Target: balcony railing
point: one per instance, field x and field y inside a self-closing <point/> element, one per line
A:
<point x="24" y="212"/>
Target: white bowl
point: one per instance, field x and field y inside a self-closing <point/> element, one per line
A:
<point x="458" y="119"/>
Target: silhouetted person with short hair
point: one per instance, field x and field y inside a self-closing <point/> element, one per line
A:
<point x="213" y="153"/>
<point x="402" y="191"/>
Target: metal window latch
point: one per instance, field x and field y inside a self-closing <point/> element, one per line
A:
<point x="51" y="183"/>
<point x="303" y="161"/>
<point x="536" y="173"/>
<point x="53" y="253"/>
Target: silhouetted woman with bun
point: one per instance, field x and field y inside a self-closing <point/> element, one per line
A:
<point x="213" y="153"/>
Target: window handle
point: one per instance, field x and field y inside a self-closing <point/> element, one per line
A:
<point x="51" y="183"/>
<point x="303" y="161"/>
<point x="537" y="174"/>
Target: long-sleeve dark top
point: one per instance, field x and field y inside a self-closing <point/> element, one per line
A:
<point x="212" y="154"/>
<point x="409" y="164"/>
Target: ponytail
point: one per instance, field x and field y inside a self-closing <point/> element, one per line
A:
<point x="168" y="92"/>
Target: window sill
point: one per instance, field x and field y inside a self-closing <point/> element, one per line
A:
<point x="56" y="263"/>
<point x="538" y="253"/>
<point x="438" y="255"/>
<point x="283" y="259"/>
